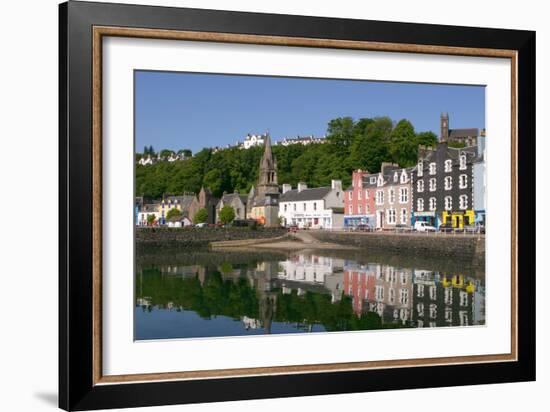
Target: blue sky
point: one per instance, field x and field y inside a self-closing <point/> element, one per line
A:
<point x="192" y="111"/>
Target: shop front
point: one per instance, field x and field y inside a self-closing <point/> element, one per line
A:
<point x="352" y="221"/>
<point x="429" y="217"/>
<point x="458" y="219"/>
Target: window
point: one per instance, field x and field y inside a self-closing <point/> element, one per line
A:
<point x="420" y="166"/>
<point x="380" y="181"/>
<point x="315" y="206"/>
<point x="403" y="216"/>
<point x="391" y="216"/>
<point x="433" y="311"/>
<point x="432" y="184"/>
<point x="420" y="309"/>
<point x="360" y="194"/>
<point x="449" y="315"/>
<point x="420" y="291"/>
<point x="420" y="186"/>
<point x="350" y="209"/>
<point x="463" y="202"/>
<point x="433" y="293"/>
<point x="463" y="181"/>
<point x="463" y="298"/>
<point x="391" y="299"/>
<point x="285" y="206"/>
<point x="304" y="207"/>
<point x="432" y="168"/>
<point x="294" y="207"/>
<point x="448" y="183"/>
<point x="404" y="296"/>
<point x="366" y="194"/>
<point x="350" y="195"/>
<point x="372" y="180"/>
<point x="379" y="197"/>
<point x="403" y="195"/>
<point x="420" y="205"/>
<point x="448" y="296"/>
<point x="462" y="162"/>
<point x="403" y="177"/>
<point x="395" y="177"/>
<point x="448" y="165"/>
<point x="379" y="293"/>
<point x="359" y="209"/>
<point x="448" y="203"/>
<point x="433" y="203"/>
<point x="463" y="316"/>
<point x="391" y="195"/>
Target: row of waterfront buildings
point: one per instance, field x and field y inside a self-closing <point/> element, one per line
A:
<point x="446" y="186"/>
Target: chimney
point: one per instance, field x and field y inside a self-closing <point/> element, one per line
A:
<point x="301" y="186"/>
<point x="286" y="187"/>
<point x="336" y="184"/>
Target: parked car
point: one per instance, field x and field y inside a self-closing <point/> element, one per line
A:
<point x="204" y="224"/>
<point x="293" y="229"/>
<point x="422" y="226"/>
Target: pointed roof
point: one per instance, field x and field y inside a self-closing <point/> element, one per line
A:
<point x="267" y="158"/>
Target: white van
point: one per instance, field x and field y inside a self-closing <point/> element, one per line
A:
<point x="421" y="226"/>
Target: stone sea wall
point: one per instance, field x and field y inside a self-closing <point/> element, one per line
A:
<point x="200" y="237"/>
<point x="462" y="249"/>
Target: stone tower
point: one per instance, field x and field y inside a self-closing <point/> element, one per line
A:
<point x="267" y="178"/>
<point x="444" y="127"/>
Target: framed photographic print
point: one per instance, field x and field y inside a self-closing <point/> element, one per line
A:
<point x="257" y="205"/>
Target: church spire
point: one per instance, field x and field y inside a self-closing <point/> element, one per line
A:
<point x="267" y="179"/>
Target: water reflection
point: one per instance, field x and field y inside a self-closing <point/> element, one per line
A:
<point x="303" y="293"/>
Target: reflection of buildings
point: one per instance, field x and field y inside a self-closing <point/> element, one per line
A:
<point x="383" y="289"/>
<point x="444" y="300"/>
<point x="414" y="297"/>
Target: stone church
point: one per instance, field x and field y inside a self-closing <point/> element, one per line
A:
<point x="468" y="137"/>
<point x="263" y="200"/>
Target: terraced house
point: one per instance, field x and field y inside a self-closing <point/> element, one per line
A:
<point x="443" y="185"/>
<point x="393" y="196"/>
<point x="359" y="208"/>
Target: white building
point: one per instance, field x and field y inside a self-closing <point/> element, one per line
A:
<point x="147" y="160"/>
<point x="316" y="208"/>
<point x="252" y="140"/>
<point x="303" y="140"/>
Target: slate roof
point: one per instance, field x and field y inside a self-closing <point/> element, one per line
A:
<point x="315" y="193"/>
<point x="458" y="133"/>
<point x="228" y="197"/>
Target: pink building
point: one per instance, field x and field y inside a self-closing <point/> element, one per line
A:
<point x="359" y="284"/>
<point x="359" y="208"/>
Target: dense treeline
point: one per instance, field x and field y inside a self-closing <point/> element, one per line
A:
<point x="351" y="144"/>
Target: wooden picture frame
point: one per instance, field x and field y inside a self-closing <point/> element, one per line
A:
<point x="82" y="28"/>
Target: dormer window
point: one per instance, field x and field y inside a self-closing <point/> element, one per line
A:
<point x="420" y="167"/>
<point x="380" y="180"/>
<point x="448" y="165"/>
<point x="432" y="168"/>
<point x="462" y="162"/>
<point x="395" y="177"/>
<point x="372" y="180"/>
<point x="403" y="177"/>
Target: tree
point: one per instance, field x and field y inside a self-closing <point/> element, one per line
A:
<point x="164" y="153"/>
<point x="173" y="212"/>
<point x="402" y="145"/>
<point x="340" y="133"/>
<point x="186" y="153"/>
<point x="227" y="214"/>
<point x="213" y="181"/>
<point x="150" y="220"/>
<point x="426" y="139"/>
<point x="201" y="216"/>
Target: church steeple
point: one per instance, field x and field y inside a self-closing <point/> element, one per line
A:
<point x="267" y="178"/>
